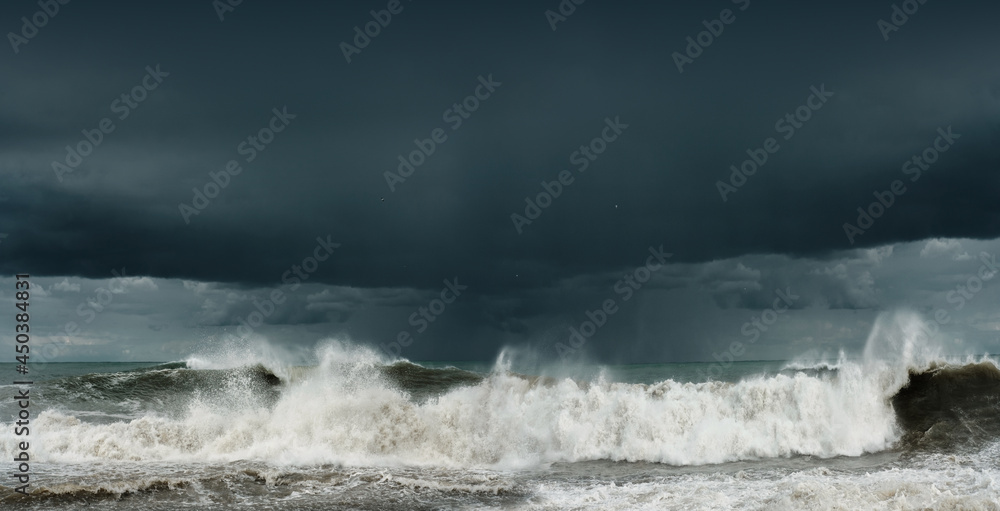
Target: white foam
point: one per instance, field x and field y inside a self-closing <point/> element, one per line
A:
<point x="345" y="412"/>
<point x="947" y="488"/>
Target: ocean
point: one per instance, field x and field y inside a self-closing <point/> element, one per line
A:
<point x="897" y="427"/>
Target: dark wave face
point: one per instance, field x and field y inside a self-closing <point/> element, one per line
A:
<point x="166" y="388"/>
<point x="425" y="382"/>
<point x="947" y="406"/>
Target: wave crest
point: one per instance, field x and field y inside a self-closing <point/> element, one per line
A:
<point x="356" y="408"/>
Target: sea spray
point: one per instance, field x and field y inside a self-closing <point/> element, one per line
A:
<point x="346" y="411"/>
<point x="352" y="407"/>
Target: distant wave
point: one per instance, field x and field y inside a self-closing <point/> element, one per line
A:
<point x="810" y="366"/>
<point x="160" y="383"/>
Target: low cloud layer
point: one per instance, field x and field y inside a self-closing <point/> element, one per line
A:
<point x="680" y="311"/>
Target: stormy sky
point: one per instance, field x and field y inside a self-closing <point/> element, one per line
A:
<point x="505" y="168"/>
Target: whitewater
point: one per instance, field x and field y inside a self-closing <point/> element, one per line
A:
<point x="899" y="427"/>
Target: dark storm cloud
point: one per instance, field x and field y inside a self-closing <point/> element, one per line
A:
<point x="324" y="174"/>
<point x="308" y="304"/>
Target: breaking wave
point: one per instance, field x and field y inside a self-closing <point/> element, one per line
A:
<point x="355" y="408"/>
